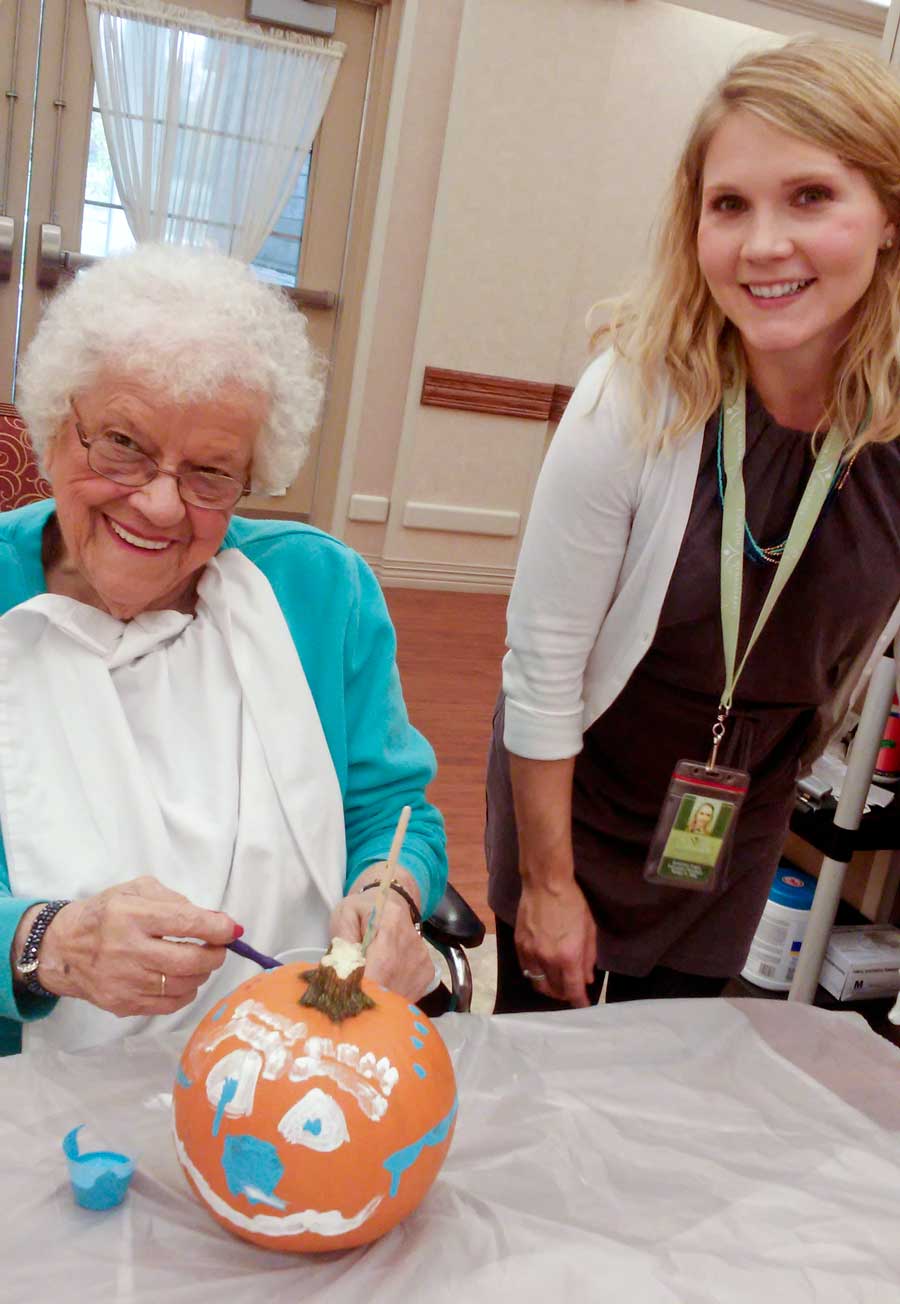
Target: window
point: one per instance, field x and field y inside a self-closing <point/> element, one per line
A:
<point x="104" y="229"/>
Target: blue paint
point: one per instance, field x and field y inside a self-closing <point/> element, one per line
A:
<point x="417" y="1042"/>
<point x="214" y="1018"/>
<point x="417" y="1068"/>
<point x="313" y="1125"/>
<point x="229" y="1090"/>
<point x="400" y="1160"/>
<point x="182" y="1078"/>
<point x="249" y="1162"/>
<point x="100" y="1178"/>
<point x="421" y="1029"/>
<point x="414" y="1009"/>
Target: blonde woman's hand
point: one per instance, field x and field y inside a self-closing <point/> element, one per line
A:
<point x="397" y="956"/>
<point x="112" y="949"/>
<point x="556" y="940"/>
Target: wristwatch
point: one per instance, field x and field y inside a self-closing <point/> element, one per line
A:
<point x="27" y="963"/>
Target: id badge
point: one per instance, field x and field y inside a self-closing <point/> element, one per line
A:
<point x="693" y="838"/>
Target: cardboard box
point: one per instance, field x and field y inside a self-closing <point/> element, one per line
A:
<point x="862" y="961"/>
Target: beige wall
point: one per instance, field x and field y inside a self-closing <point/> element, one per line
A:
<point x="542" y="133"/>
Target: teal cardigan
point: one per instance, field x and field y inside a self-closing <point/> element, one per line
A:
<point x="345" y="641"/>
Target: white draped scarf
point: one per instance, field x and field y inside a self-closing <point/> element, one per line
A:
<point x="184" y="747"/>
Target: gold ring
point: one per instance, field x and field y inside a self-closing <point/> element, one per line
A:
<point x="162" y="984"/>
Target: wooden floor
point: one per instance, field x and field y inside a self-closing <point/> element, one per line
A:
<point x="450" y="646"/>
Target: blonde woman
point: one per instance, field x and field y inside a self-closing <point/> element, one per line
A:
<point x="775" y="295"/>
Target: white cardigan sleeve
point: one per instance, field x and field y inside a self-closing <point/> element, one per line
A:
<point x="568" y="568"/>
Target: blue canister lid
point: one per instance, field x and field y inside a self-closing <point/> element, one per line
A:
<point x="793" y="888"/>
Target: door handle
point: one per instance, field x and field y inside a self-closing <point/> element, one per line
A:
<point x="7" y="240"/>
<point x="53" y="259"/>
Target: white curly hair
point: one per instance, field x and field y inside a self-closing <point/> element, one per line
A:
<point x="189" y="321"/>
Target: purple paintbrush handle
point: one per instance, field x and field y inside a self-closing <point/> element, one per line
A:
<point x="265" y="961"/>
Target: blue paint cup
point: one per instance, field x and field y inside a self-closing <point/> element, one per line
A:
<point x="99" y="1178"/>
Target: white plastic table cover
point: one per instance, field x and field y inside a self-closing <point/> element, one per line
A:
<point x="664" y="1152"/>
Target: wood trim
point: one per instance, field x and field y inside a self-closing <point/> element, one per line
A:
<point x="560" y="401"/>
<point x="311" y="298"/>
<point x="502" y="396"/>
<point x="471" y="391"/>
<point x="272" y="514"/>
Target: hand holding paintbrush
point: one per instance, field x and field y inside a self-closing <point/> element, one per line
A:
<point x="385" y="886"/>
<point x="400" y="965"/>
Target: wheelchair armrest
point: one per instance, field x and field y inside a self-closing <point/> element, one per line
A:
<point x="454" y="922"/>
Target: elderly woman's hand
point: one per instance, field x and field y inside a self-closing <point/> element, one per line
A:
<point x="397" y="957"/>
<point x="111" y="949"/>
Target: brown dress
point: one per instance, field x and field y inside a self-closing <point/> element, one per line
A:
<point x="845" y="585"/>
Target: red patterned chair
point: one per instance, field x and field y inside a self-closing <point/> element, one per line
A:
<point x="20" y="480"/>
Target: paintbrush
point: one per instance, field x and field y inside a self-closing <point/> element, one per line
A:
<point x="249" y="953"/>
<point x="382" y="894"/>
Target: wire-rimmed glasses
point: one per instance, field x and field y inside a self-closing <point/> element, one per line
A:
<point x="116" y="457"/>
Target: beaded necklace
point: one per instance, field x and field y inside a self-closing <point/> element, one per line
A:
<point x="771" y="553"/>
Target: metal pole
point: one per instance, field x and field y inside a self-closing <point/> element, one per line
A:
<point x="851" y="804"/>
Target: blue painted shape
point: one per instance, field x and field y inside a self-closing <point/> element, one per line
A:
<point x="182" y="1078"/>
<point x="229" y="1090"/>
<point x="414" y="1009"/>
<point x="99" y="1178"/>
<point x="313" y="1125"/>
<point x="214" y="1018"/>
<point x="417" y="1069"/>
<point x="401" y="1160"/>
<point x="417" y="1042"/>
<point x="421" y="1029"/>
<point x="250" y="1162"/>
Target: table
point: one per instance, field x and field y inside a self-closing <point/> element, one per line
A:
<point x="662" y="1152"/>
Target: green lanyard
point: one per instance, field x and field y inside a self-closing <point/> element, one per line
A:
<point x="734" y="514"/>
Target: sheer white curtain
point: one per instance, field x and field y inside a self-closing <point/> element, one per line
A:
<point x="208" y="120"/>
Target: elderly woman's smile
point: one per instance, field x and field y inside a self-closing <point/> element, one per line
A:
<point x="130" y="548"/>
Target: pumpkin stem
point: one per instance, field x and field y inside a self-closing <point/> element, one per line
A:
<point x="335" y="984"/>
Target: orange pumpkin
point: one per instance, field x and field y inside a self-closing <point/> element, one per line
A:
<point x="299" y="1133"/>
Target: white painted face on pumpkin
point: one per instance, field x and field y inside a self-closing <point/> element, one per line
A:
<point x="277" y="1047"/>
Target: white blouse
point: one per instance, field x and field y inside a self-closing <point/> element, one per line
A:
<point x="184" y="747"/>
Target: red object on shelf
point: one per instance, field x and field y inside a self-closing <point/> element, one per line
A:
<point x="887" y="762"/>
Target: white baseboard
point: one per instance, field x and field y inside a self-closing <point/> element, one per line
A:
<point x="399" y="573"/>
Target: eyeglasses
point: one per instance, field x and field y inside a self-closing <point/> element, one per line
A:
<point x="116" y="457"/>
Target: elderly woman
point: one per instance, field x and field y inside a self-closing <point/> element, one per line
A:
<point x="202" y="721"/>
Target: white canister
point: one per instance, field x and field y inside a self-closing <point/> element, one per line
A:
<point x="779" y="934"/>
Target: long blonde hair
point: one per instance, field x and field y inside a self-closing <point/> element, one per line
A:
<point x="670" y="329"/>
